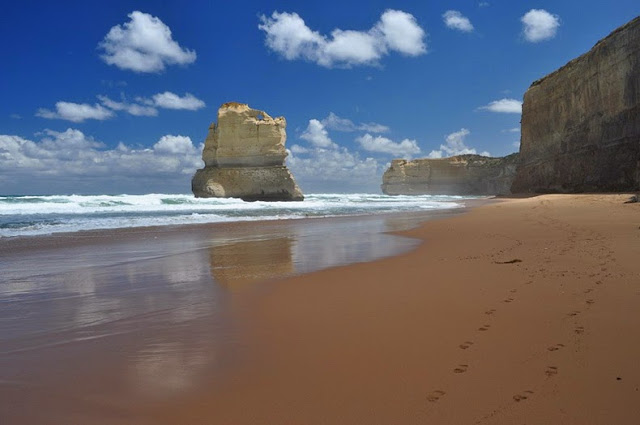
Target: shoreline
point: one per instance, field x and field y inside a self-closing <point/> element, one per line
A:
<point x="55" y="240"/>
<point x="518" y="310"/>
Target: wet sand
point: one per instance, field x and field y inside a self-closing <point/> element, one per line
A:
<point x="94" y="326"/>
<point x="524" y="311"/>
<point x="520" y="311"/>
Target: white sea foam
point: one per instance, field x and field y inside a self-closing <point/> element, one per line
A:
<point x="36" y="215"/>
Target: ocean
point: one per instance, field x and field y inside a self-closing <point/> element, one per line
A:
<point x="42" y="215"/>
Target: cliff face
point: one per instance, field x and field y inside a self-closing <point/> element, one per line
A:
<point x="457" y="175"/>
<point x="581" y="123"/>
<point x="244" y="158"/>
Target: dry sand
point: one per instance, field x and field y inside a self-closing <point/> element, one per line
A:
<point x="526" y="311"/>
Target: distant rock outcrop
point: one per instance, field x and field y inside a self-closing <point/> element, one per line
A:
<point x="581" y="123"/>
<point x="457" y="175"/>
<point x="244" y="158"/>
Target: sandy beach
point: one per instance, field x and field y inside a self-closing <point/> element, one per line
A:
<point x="519" y="311"/>
<point x="524" y="311"/>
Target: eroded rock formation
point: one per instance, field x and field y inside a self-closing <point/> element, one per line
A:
<point x="244" y="158"/>
<point x="457" y="175"/>
<point x="581" y="123"/>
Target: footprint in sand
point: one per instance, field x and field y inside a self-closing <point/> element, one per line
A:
<point x="586" y="291"/>
<point x="490" y="312"/>
<point x="573" y="313"/>
<point x="466" y="345"/>
<point x="555" y="347"/>
<point x="551" y="371"/>
<point x="590" y="301"/>
<point x="579" y="330"/>
<point x="513" y="291"/>
<point x="507" y="300"/>
<point x="484" y="328"/>
<point x="462" y="368"/>
<point x="435" y="396"/>
<point x="598" y="282"/>
<point x="523" y="395"/>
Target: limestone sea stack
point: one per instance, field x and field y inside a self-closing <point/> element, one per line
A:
<point x="581" y="123"/>
<point x="244" y="158"/>
<point x="456" y="175"/>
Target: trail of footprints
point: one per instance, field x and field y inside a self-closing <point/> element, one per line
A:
<point x="550" y="371"/>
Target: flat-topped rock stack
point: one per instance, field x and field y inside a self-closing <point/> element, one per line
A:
<point x="244" y="158"/>
<point x="456" y="175"/>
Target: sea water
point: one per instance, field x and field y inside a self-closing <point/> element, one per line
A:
<point x="41" y="215"/>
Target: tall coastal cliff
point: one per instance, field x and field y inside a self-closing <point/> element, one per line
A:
<point x="457" y="175"/>
<point x="581" y="123"/>
<point x="244" y="158"/>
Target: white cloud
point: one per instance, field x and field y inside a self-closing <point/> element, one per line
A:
<point x="402" y="33"/>
<point x="288" y="35"/>
<point x="334" y="122"/>
<point x="512" y="130"/>
<point x="131" y="108"/>
<point x="170" y="100"/>
<point x="59" y="158"/>
<point x="334" y="169"/>
<point x="317" y="135"/>
<point x="326" y="166"/>
<point x="484" y="4"/>
<point x="455" y="146"/>
<point x="144" y="44"/>
<point x="455" y="20"/>
<point x="506" y="106"/>
<point x="539" y="25"/>
<point x="373" y="127"/>
<point x="296" y="149"/>
<point x="405" y="149"/>
<point x="171" y="145"/>
<point x="76" y="112"/>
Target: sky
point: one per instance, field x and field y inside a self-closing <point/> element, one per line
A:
<point x="108" y="97"/>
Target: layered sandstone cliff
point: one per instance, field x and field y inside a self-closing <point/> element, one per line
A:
<point x="244" y="158"/>
<point x="581" y="123"/>
<point x="457" y="175"/>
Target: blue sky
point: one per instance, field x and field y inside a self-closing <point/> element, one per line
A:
<point x="116" y="97"/>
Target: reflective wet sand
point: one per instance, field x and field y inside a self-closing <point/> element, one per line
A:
<point x="100" y="326"/>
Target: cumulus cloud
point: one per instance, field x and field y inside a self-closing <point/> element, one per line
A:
<point x="288" y="35"/>
<point x="296" y="149"/>
<point x="455" y="145"/>
<point x="405" y="149"/>
<point x="334" y="122"/>
<point x="65" y="156"/>
<point x="131" y="108"/>
<point x="505" y="106"/>
<point x="143" y="44"/>
<point x="539" y="25"/>
<point x="170" y="100"/>
<point x="455" y="20"/>
<point x="317" y="135"/>
<point x="76" y="112"/>
<point x="334" y="168"/>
